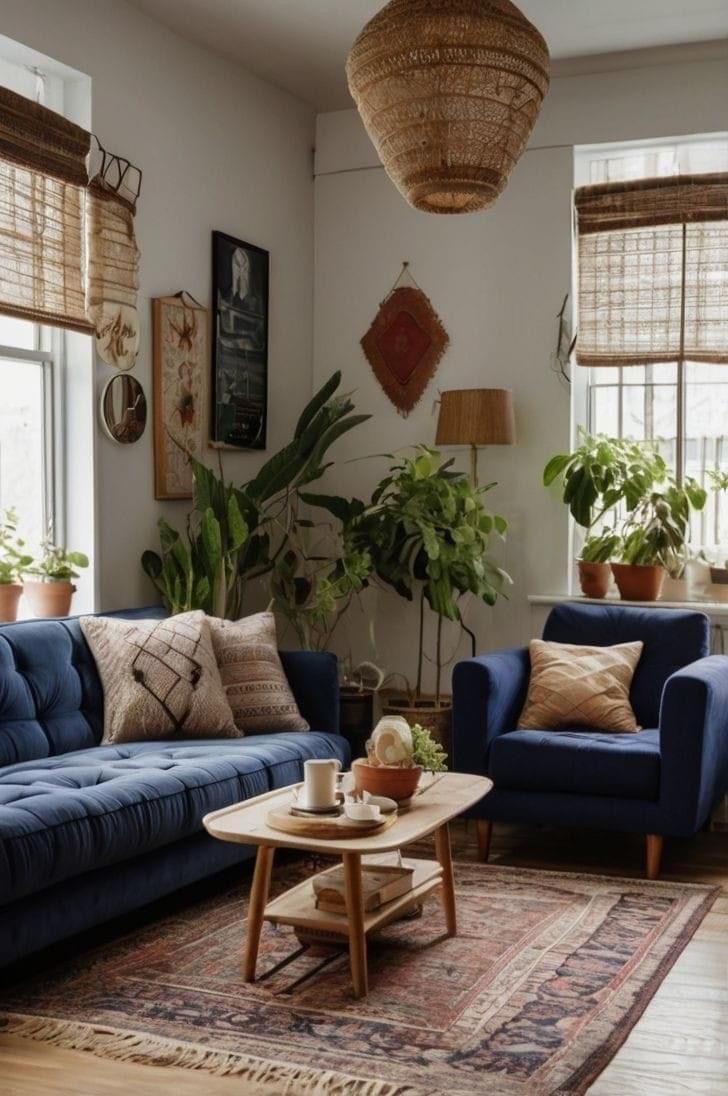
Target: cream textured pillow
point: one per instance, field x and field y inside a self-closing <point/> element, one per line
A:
<point x="252" y="675"/>
<point x="160" y="678"/>
<point x="573" y="686"/>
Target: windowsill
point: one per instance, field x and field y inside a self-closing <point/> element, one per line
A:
<point x="712" y="608"/>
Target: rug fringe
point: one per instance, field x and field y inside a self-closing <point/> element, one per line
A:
<point x="262" y="1077"/>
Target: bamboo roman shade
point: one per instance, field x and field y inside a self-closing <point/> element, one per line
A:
<point x="653" y="271"/>
<point x="42" y="183"/>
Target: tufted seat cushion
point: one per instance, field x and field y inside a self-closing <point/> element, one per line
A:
<point x="64" y="815"/>
<point x="625" y="766"/>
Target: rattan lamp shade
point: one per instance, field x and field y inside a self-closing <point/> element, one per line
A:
<point x="449" y="91"/>
<point x="476" y="416"/>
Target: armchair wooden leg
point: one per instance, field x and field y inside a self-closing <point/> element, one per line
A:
<point x="485" y="831"/>
<point x="655" y="842"/>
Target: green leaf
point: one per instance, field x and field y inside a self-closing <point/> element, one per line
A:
<point x="555" y="467"/>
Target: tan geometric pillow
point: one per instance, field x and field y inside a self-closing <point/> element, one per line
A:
<point x="572" y="686"/>
<point x="253" y="676"/>
<point x="160" y="678"/>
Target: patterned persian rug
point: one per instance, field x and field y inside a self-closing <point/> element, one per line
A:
<point x="547" y="976"/>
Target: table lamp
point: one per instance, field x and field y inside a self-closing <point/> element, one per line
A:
<point x="476" y="417"/>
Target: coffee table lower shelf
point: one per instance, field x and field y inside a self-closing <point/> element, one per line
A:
<point x="297" y="907"/>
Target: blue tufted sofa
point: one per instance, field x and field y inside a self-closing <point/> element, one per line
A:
<point x="88" y="832"/>
<point x="662" y="781"/>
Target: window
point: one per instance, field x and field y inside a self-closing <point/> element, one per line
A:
<point x="28" y="466"/>
<point x="682" y="405"/>
<point x="30" y="387"/>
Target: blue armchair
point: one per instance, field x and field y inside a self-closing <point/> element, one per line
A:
<point x="661" y="781"/>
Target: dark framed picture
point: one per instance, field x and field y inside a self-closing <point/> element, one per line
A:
<point x="239" y="401"/>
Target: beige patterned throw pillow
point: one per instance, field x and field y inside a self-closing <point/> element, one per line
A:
<point x="574" y="686"/>
<point x="252" y="675"/>
<point x="160" y="678"/>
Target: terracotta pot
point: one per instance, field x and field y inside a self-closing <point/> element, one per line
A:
<point x="594" y="578"/>
<point x="9" y="597"/>
<point x="49" y="599"/>
<point x="385" y="780"/>
<point x="427" y="712"/>
<point x="638" y="582"/>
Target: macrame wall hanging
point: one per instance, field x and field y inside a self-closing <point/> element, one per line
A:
<point x="405" y="342"/>
<point x="112" y="265"/>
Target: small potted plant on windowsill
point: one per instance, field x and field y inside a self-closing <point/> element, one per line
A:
<point x="13" y="562"/>
<point x="52" y="594"/>
<point x="602" y="473"/>
<point x="654" y="539"/>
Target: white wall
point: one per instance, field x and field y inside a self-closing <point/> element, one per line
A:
<point x="497" y="280"/>
<point x="219" y="149"/>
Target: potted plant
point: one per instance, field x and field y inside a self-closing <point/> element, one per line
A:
<point x="428" y="533"/>
<point x="594" y="563"/>
<point x="397" y="754"/>
<point x="51" y="595"/>
<point x="13" y="562"/>
<point x="601" y="474"/>
<point x="236" y="534"/>
<point x="654" y="539"/>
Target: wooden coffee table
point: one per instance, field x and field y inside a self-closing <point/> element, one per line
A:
<point x="445" y="797"/>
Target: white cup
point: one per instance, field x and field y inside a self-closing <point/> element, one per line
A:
<point x="319" y="782"/>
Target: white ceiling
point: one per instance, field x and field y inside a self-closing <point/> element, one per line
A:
<point x="301" y="45"/>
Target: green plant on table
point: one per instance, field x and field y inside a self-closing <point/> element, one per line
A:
<point x="14" y="559"/>
<point x="57" y="564"/>
<point x="426" y="751"/>
<point x="428" y="533"/>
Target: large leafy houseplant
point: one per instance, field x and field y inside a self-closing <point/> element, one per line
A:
<point x="237" y="534"/>
<point x="428" y="534"/>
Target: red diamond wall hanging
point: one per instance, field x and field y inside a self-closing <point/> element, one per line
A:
<point x="404" y="345"/>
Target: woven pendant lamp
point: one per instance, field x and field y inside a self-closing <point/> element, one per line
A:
<point x="449" y="91"/>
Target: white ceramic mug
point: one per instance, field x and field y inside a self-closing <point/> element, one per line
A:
<point x="319" y="782"/>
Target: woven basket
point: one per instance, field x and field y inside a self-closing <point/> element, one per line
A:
<point x="449" y="91"/>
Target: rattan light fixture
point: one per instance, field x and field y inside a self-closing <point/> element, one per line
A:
<point x="476" y="417"/>
<point x="449" y="91"/>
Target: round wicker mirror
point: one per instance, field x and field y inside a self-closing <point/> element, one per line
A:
<point x="124" y="409"/>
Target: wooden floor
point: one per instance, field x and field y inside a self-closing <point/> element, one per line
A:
<point x="679" y="1046"/>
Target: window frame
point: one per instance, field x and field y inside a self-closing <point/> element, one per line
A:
<point x="47" y="355"/>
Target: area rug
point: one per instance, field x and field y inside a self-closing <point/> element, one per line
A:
<point x="546" y="977"/>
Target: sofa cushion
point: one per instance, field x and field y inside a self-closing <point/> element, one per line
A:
<point x="51" y="699"/>
<point x="252" y="675"/>
<point x="580" y="762"/>
<point x="160" y="678"/>
<point x="574" y="686"/>
<point x="65" y="815"/>
<point x="672" y="638"/>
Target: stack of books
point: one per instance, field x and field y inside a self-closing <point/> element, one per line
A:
<point x="381" y="883"/>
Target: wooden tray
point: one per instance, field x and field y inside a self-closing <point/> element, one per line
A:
<point x="326" y="828"/>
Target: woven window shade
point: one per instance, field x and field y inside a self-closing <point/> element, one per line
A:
<point x="42" y="180"/>
<point x="112" y="275"/>
<point x="653" y="271"/>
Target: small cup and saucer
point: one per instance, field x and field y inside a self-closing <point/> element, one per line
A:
<point x="318" y="795"/>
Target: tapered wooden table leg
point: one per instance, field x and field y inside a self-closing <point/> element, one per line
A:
<point x="355" y="915"/>
<point x="256" y="909"/>
<point x="444" y="856"/>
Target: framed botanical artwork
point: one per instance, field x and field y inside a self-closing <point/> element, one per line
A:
<point x="239" y="401"/>
<point x="180" y="356"/>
